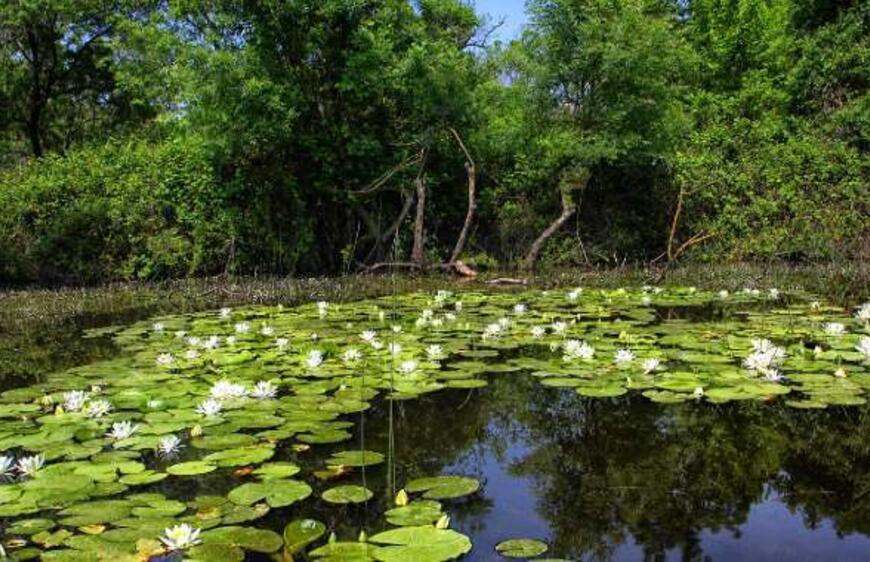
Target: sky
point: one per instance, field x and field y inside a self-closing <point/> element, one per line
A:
<point x="513" y="11"/>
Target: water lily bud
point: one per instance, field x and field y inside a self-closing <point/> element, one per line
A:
<point x="196" y="431"/>
<point x="443" y="522"/>
<point x="59" y="411"/>
<point x="332" y="537"/>
<point x="840" y="373"/>
<point x="46" y="401"/>
<point x="363" y="537"/>
<point x="402" y="498"/>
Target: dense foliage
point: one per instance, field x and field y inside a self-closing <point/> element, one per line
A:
<point x="169" y="138"/>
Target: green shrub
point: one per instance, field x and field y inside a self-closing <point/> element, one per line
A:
<point x="120" y="210"/>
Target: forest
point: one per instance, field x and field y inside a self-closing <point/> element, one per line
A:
<point x="156" y="139"/>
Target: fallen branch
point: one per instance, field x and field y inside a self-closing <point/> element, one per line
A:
<point x="507" y="281"/>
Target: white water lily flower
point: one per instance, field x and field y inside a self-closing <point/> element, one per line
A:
<point x="169" y="446"/>
<point x="538" y="331"/>
<point x="723" y="294"/>
<point x="765" y="356"/>
<point x="774" y="376"/>
<point x="368" y="336"/>
<point x="576" y="349"/>
<point x="209" y="407"/>
<point x="264" y="390"/>
<point x="492" y="331"/>
<point x="282" y="343"/>
<point x="224" y="389"/>
<point x="225" y="312"/>
<point x="773" y="294"/>
<point x="180" y="537"/>
<point x="194" y="341"/>
<point x="698" y="392"/>
<point x="574" y="295"/>
<point x="815" y="305"/>
<point x="835" y="329"/>
<point x="559" y="328"/>
<point x="505" y="323"/>
<point x="442" y="295"/>
<point x="435" y="351"/>
<point x="646" y="300"/>
<point x="623" y="356"/>
<point x="158" y="327"/>
<point x="74" y="400"/>
<point x="408" y="367"/>
<point x="650" y="365"/>
<point x="242" y="327"/>
<point x="394" y="348"/>
<point x="450" y="317"/>
<point x="396" y="329"/>
<point x="427" y="313"/>
<point x="267" y="330"/>
<point x="29" y="466"/>
<point x="191" y="354"/>
<point x="351" y="355"/>
<point x="457" y="306"/>
<point x="314" y="359"/>
<point x="180" y="334"/>
<point x="863" y="312"/>
<point x="520" y="308"/>
<point x="122" y="430"/>
<point x="98" y="408"/>
<point x="437" y="322"/>
<point x="165" y="359"/>
<point x="322" y="308"/>
<point x="213" y="342"/>
<point x="7" y="465"/>
<point x="840" y="373"/>
<point x="864" y="347"/>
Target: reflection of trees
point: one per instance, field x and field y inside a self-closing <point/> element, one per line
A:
<point x="606" y="469"/>
<point x="826" y="473"/>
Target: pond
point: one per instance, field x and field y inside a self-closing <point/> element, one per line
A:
<point x="647" y="424"/>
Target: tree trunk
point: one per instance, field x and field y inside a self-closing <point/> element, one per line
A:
<point x="471" y="172"/>
<point x="417" y="250"/>
<point x="568" y="209"/>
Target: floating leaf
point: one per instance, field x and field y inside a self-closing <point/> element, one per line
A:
<point x="521" y="548"/>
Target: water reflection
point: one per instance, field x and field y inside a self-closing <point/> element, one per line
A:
<point x="629" y="479"/>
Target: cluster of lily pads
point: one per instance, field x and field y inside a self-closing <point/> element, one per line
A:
<point x="85" y="451"/>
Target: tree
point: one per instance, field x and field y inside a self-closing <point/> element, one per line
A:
<point x="57" y="71"/>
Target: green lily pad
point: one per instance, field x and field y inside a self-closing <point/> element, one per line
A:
<point x="300" y="533"/>
<point x="444" y="487"/>
<point x="355" y="458"/>
<point x="191" y="468"/>
<point x="347" y="494"/>
<point x="521" y="548"/>
<point x="416" y="513"/>
<point x="422" y="544"/>
<point x="276" y="492"/>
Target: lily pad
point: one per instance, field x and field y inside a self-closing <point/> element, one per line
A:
<point x="444" y="487"/>
<point x="521" y="548"/>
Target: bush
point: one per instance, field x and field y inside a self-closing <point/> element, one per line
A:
<point x="119" y="210"/>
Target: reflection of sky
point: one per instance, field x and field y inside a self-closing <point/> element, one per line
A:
<point x="512" y="11"/>
<point x="771" y="532"/>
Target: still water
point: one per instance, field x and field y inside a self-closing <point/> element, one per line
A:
<point x="619" y="479"/>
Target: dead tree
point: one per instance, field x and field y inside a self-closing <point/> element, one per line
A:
<point x="471" y="173"/>
<point x="569" y="207"/>
<point x="417" y="257"/>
